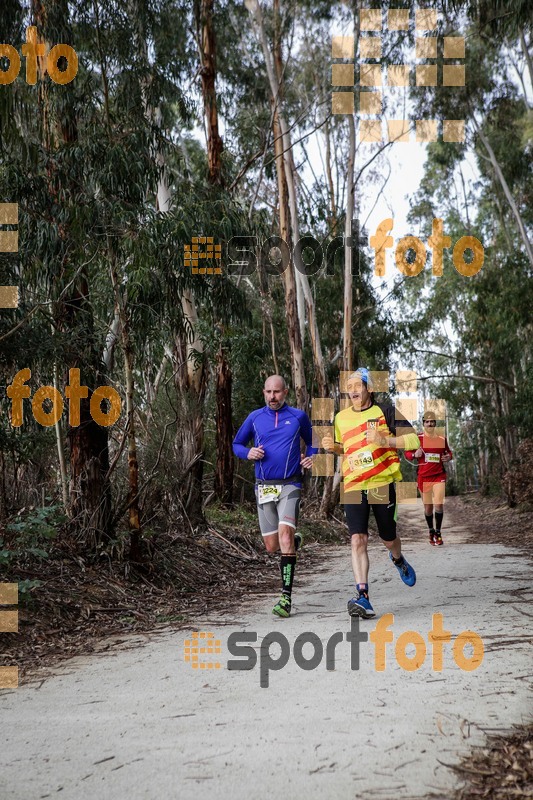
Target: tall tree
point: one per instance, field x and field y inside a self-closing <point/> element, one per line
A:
<point x="90" y="490"/>
<point x="207" y="47"/>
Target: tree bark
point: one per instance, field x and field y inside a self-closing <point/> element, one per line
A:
<point x="330" y="495"/>
<point x="289" y="280"/>
<point x="61" y="455"/>
<point x="225" y="463"/>
<point x="527" y="56"/>
<point x="331" y="491"/>
<point x="134" y="523"/>
<point x="207" y="44"/>
<point x="190" y="382"/>
<point x="332" y="222"/>
<point x="282" y="143"/>
<point x="347" y="348"/>
<point x="187" y="349"/>
<point x="305" y="300"/>
<point x="510" y="199"/>
<point x="277" y="89"/>
<point x="90" y="490"/>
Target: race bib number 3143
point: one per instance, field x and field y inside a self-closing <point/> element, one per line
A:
<point x="361" y="460"/>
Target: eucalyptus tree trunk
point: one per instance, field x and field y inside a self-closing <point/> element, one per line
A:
<point x="224" y="422"/>
<point x="134" y="522"/>
<point x="224" y="465"/>
<point x="506" y="190"/>
<point x="527" y="55"/>
<point x="330" y="495"/>
<point x="277" y="89"/>
<point x="332" y="222"/>
<point x="190" y="382"/>
<point x="347" y="345"/>
<point x="207" y="46"/>
<point x="285" y="188"/>
<point x="307" y="303"/>
<point x="90" y="490"/>
<point x="289" y="279"/>
<point x="187" y="350"/>
<point x="61" y="454"/>
<point x="347" y="348"/>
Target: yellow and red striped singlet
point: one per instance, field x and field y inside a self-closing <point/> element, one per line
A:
<point x="365" y="466"/>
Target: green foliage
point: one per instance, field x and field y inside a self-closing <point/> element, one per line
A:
<point x="26" y="592"/>
<point x="471" y="336"/>
<point x="241" y="517"/>
<point x="31" y="535"/>
<point x="86" y="164"/>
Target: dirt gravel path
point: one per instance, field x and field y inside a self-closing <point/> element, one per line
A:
<point x="140" y="722"/>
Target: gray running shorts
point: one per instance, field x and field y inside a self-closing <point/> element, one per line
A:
<point x="283" y="511"/>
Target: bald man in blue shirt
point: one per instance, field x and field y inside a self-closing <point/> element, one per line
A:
<point x="276" y="430"/>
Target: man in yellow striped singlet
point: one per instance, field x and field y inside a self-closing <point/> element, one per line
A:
<point x="368" y="436"/>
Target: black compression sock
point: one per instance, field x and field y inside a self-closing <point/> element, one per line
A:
<point x="429" y="520"/>
<point x="362" y="588"/>
<point x="398" y="561"/>
<point x="438" y="520"/>
<point x="287" y="565"/>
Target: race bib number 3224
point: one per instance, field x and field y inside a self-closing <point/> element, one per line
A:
<point x="267" y="493"/>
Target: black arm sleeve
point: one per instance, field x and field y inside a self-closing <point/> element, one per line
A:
<point x="396" y="422"/>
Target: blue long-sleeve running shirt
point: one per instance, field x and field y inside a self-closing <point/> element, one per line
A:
<point x="278" y="433"/>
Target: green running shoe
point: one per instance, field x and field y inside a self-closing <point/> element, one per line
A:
<point x="283" y="606"/>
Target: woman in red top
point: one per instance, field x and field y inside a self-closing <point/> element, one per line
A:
<point x="430" y="457"/>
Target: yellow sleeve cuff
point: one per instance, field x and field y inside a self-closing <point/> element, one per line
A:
<point x="409" y="441"/>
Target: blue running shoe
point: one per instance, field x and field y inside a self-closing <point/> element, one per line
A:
<point x="360" y="607"/>
<point x="407" y="573"/>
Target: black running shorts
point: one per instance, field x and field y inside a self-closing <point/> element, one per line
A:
<point x="382" y="500"/>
